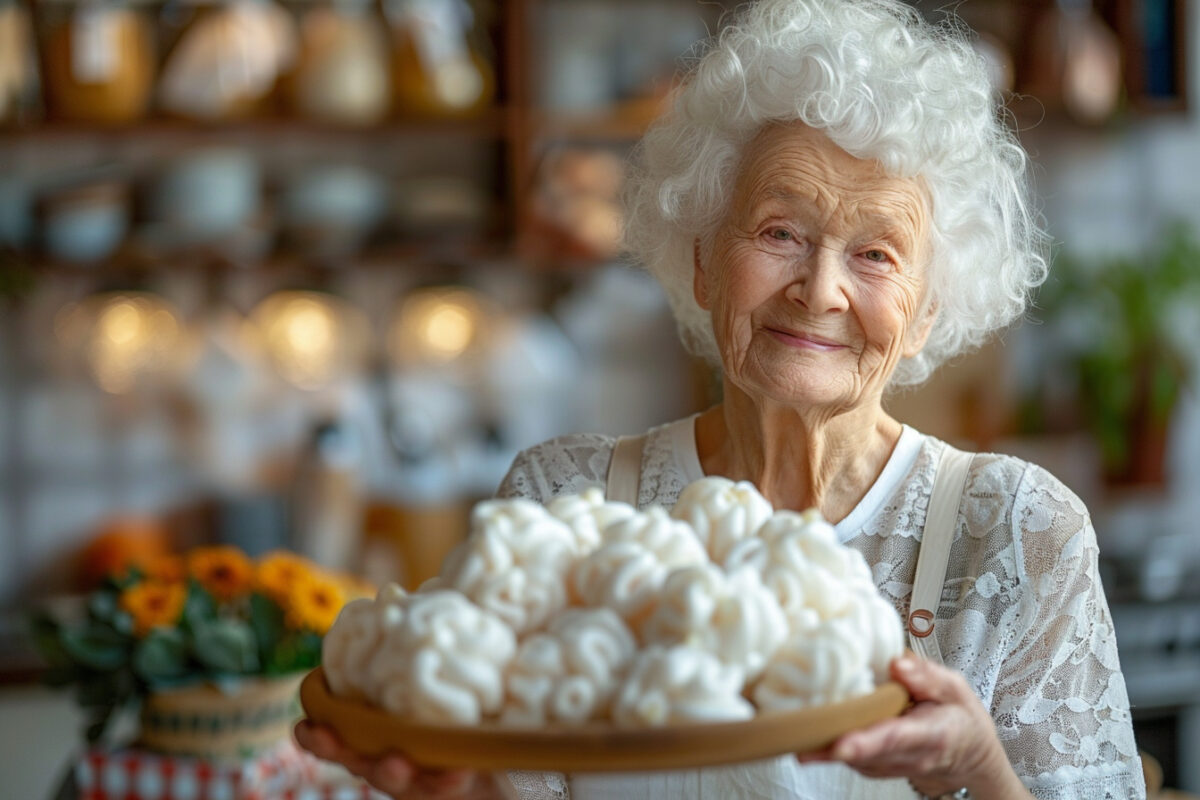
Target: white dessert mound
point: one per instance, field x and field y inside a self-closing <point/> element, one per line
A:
<point x="569" y="672"/>
<point x="587" y="609"/>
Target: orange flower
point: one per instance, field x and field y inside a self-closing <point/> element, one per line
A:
<point x="226" y="572"/>
<point x="314" y="603"/>
<point x="278" y="571"/>
<point x="153" y="603"/>
<point x="122" y="543"/>
<point x="165" y="568"/>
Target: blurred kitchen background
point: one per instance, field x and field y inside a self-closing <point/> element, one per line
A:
<point x="310" y="273"/>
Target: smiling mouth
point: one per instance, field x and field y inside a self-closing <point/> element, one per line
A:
<point x="804" y="340"/>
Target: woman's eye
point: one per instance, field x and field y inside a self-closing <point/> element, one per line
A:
<point x="781" y="235"/>
<point x="878" y="256"/>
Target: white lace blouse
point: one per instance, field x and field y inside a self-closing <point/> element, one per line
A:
<point x="1022" y="616"/>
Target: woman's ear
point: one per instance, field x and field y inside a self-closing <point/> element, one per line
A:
<point x="918" y="333"/>
<point x="699" y="282"/>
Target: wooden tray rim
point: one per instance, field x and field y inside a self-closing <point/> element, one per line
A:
<point x="598" y="746"/>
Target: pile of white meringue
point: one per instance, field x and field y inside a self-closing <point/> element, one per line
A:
<point x="586" y="609"/>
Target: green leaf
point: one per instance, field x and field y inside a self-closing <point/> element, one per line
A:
<point x="1165" y="385"/>
<point x="309" y="650"/>
<point x="95" y="646"/>
<point x="266" y="619"/>
<point x="226" y="645"/>
<point x="122" y="623"/>
<point x="296" y="651"/>
<point x="199" y="608"/>
<point x="161" y="656"/>
<point x="122" y="580"/>
<point x="102" y="605"/>
<point x="46" y="633"/>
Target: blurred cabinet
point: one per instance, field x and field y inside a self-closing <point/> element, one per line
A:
<point x="143" y="132"/>
<point x="244" y="150"/>
<point x="1083" y="61"/>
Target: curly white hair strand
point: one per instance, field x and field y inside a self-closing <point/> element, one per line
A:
<point x="883" y="84"/>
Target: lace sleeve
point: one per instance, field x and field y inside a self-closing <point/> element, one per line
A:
<point x="1060" y="703"/>
<point x="566" y="465"/>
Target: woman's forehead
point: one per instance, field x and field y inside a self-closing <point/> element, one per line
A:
<point x="794" y="163"/>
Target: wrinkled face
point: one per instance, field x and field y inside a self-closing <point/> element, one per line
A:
<point x="815" y="279"/>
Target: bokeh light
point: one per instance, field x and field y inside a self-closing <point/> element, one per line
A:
<point x="436" y="325"/>
<point x="124" y="337"/>
<point x="311" y="338"/>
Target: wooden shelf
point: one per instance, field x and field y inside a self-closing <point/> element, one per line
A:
<point x="430" y="249"/>
<point x="616" y="126"/>
<point x="492" y="124"/>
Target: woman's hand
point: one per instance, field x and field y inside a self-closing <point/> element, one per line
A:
<point x="393" y="774"/>
<point x="945" y="742"/>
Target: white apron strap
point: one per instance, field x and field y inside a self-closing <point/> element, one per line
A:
<point x="625" y="470"/>
<point x="934" y="552"/>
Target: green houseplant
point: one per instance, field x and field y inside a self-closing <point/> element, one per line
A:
<point x="196" y="634"/>
<point x="1121" y="337"/>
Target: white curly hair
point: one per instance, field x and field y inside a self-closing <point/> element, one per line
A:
<point x="882" y="84"/>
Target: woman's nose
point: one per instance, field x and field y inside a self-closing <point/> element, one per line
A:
<point x="819" y="282"/>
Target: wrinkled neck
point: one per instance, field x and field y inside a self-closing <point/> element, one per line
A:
<point x="798" y="458"/>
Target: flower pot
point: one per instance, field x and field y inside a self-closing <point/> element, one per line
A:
<point x="225" y="722"/>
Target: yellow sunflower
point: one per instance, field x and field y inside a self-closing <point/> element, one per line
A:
<point x="153" y="603"/>
<point x="314" y="602"/>
<point x="278" y="571"/>
<point x="226" y="572"/>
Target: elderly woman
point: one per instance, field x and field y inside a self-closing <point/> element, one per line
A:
<point x="834" y="208"/>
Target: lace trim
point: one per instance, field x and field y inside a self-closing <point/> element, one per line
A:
<point x="538" y="785"/>
<point x="1119" y="781"/>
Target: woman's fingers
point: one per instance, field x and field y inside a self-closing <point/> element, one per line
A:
<point x="324" y="744"/>
<point x="315" y="739"/>
<point x="391" y="774"/>
<point x="926" y="680"/>
<point x="893" y="739"/>
<point x="912" y="747"/>
<point x="944" y="740"/>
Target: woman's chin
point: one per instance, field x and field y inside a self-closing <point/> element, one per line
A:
<point x="807" y="393"/>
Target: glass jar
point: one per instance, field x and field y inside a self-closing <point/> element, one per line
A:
<point x="227" y="60"/>
<point x="98" y="59"/>
<point x="342" y="72"/>
<point x="439" y="68"/>
<point x="18" y="67"/>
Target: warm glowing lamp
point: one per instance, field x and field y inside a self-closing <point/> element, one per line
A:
<point x="123" y="336"/>
<point x="435" y="326"/>
<point x="312" y="338"/>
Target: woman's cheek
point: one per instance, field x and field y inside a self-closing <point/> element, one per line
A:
<point x="891" y="302"/>
<point x="733" y="338"/>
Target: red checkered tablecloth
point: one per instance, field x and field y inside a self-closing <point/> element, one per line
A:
<point x="284" y="773"/>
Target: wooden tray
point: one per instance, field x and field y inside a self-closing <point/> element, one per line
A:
<point x="595" y="747"/>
